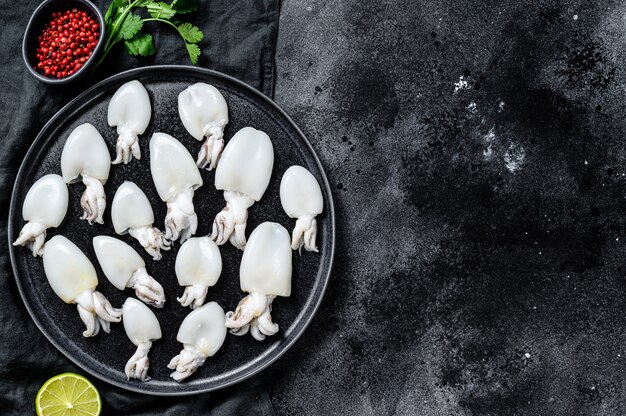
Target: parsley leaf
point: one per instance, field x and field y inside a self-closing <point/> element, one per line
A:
<point x="123" y="25"/>
<point x="194" y="52"/>
<point x="111" y="11"/>
<point x="184" y="6"/>
<point x="140" y="44"/>
<point x="161" y="10"/>
<point x="131" y="25"/>
<point x="190" y="33"/>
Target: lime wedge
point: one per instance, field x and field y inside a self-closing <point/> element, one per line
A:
<point x="68" y="394"/>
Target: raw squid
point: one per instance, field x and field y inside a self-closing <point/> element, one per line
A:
<point x="243" y="174"/>
<point x="131" y="213"/>
<point x="301" y="198"/>
<point x="73" y="278"/>
<point x="176" y="177"/>
<point x="45" y="206"/>
<point x="204" y="113"/>
<point x="125" y="268"/>
<point x="141" y="327"/>
<point x="202" y="333"/>
<point x="85" y="155"/>
<point x="198" y="267"/>
<point x="130" y="112"/>
<point x="265" y="273"/>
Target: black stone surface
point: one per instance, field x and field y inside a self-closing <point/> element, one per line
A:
<point x="477" y="154"/>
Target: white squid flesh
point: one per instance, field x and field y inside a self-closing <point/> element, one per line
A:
<point x="176" y="177"/>
<point x="198" y="267"/>
<point x="142" y="328"/>
<point x="125" y="268"/>
<point x="85" y="156"/>
<point x="131" y="213"/>
<point x="265" y="273"/>
<point x="243" y="174"/>
<point x="301" y="198"/>
<point x="129" y="111"/>
<point x="44" y="207"/>
<point x="204" y="114"/>
<point x="202" y="333"/>
<point x="73" y="278"/>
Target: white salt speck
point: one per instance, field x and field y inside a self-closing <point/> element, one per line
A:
<point x="461" y="85"/>
<point x="501" y="105"/>
<point x="490" y="136"/>
<point x="514" y="158"/>
<point x="593" y="387"/>
<point x="527" y="355"/>
<point x="471" y="107"/>
<point x="575" y="17"/>
<point x="534" y="308"/>
<point x="586" y="163"/>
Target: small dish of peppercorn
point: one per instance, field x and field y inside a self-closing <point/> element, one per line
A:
<point x="62" y="40"/>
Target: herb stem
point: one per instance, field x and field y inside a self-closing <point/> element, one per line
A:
<point x="156" y="19"/>
<point x="116" y="26"/>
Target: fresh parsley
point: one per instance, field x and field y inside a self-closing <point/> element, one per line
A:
<point x="122" y="25"/>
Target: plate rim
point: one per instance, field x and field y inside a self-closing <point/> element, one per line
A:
<point x="246" y="373"/>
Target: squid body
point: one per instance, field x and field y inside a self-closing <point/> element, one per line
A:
<point x="204" y="114"/>
<point x="85" y="156"/>
<point x="265" y="273"/>
<point x="142" y="328"/>
<point x="45" y="206"/>
<point x="176" y="177"/>
<point x="198" y="267"/>
<point x="131" y="213"/>
<point x="129" y="111"/>
<point x="202" y="333"/>
<point x="243" y="174"/>
<point x="125" y="268"/>
<point x="73" y="278"/>
<point x="301" y="198"/>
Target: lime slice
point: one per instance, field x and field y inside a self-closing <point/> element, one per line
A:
<point x="68" y="394"/>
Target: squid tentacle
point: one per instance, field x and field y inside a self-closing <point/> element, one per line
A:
<point x="90" y="321"/>
<point x="186" y="363"/>
<point x="152" y="240"/>
<point x="127" y="146"/>
<point x="147" y="289"/>
<point x="96" y="311"/>
<point x="193" y="296"/>
<point x="138" y="365"/>
<point x="93" y="201"/>
<point x="254" y="314"/>
<point x="181" y="219"/>
<point x="232" y="219"/>
<point x="33" y="235"/>
<point x="213" y="145"/>
<point x="304" y="234"/>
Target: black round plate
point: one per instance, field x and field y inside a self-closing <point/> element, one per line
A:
<point x="105" y="355"/>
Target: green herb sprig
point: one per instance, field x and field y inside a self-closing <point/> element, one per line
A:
<point x="123" y="25"/>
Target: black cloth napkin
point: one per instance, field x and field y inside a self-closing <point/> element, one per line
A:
<point x="240" y="41"/>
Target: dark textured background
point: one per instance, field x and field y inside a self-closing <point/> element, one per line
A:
<point x="481" y="239"/>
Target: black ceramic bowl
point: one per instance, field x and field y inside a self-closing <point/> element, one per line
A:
<point x="43" y="15"/>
